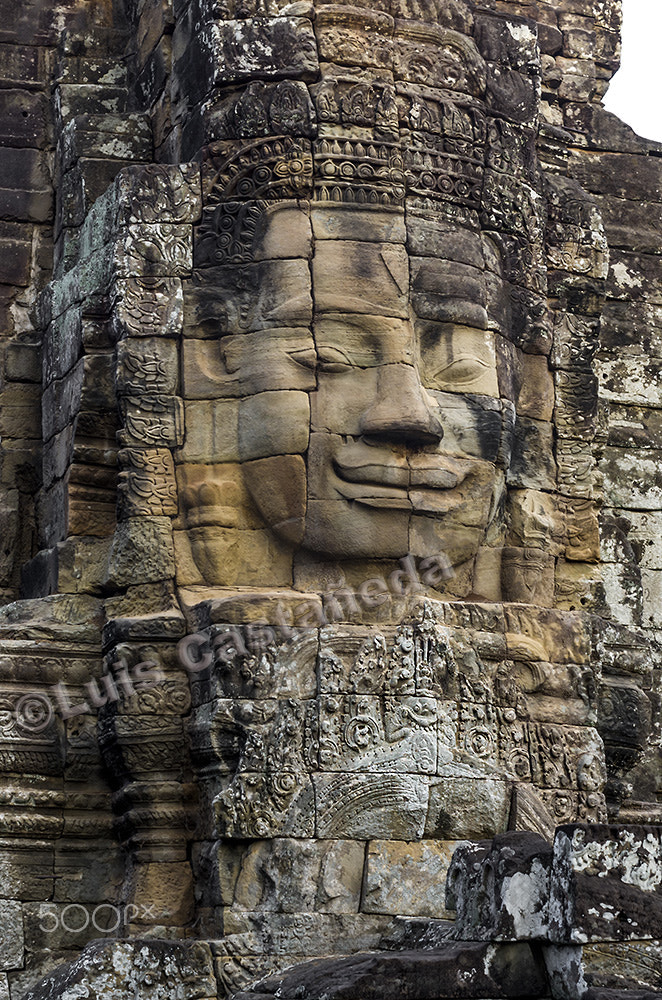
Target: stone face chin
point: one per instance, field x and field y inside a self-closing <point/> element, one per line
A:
<point x="330" y="504"/>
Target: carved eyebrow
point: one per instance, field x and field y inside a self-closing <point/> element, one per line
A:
<point x="365" y="322"/>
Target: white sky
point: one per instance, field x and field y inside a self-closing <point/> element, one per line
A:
<point x="635" y="93"/>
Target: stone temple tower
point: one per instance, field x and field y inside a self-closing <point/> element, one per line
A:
<point x="330" y="504"/>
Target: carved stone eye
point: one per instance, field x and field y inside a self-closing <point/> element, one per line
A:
<point x="330" y="360"/>
<point x="461" y="371"/>
<point x="307" y="358"/>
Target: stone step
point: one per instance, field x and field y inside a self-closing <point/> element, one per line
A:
<point x="621" y="994"/>
<point x="458" y="970"/>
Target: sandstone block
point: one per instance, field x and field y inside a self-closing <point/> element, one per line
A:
<point x="105" y="137"/>
<point x="61" y="926"/>
<point x="142" y="551"/>
<point x="267" y="48"/>
<point x="256" y="660"/>
<point x="455" y="970"/>
<point x="631" y="224"/>
<point x="215" y="494"/>
<point x="635" y="381"/>
<point x="249" y="363"/>
<point x="458" y="358"/>
<point x="104" y="962"/>
<point x="211" y="432"/>
<point x="277" y="486"/>
<point x="449" y="292"/>
<point x="341" y="35"/>
<point x="284" y="231"/>
<point x="634" y="277"/>
<point x="147" y="366"/>
<point x="162" y="249"/>
<point x="162" y="893"/>
<point x="605" y="884"/>
<point x="467" y="807"/>
<point x="17" y="253"/>
<point x="62" y="344"/>
<point x="148" y="306"/>
<point x="19" y="415"/>
<point x="25" y="871"/>
<point x="384" y="277"/>
<point x="349" y="223"/>
<point x="81" y="565"/>
<point x="429" y="236"/>
<point x="644" y="531"/>
<point x="94" y="873"/>
<point x="231" y="299"/>
<point x="295" y="876"/>
<point x="625" y="489"/>
<point x="363" y="805"/>
<point x="23" y="119"/>
<point x="310" y="933"/>
<point x="147" y="483"/>
<point x="160" y="193"/>
<point x="578" y="586"/>
<point x="527" y="575"/>
<point x="407" y="878"/>
<point x="11" y="935"/>
<point x="273" y="423"/>
<point x="23" y="362"/>
<point x="501" y="890"/>
<point x="631" y="965"/>
<point x="227" y="557"/>
<point x="536" y="396"/>
<point x="383" y="531"/>
<point x="88" y="99"/>
<point x="532" y="464"/>
<point x="247" y="809"/>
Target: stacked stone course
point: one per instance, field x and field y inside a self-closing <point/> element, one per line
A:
<point x="211" y="214"/>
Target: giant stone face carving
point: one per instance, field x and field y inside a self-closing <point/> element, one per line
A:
<point x="367" y="333"/>
<point x="362" y="344"/>
<point x="367" y="383"/>
<point x="396" y="460"/>
<point x="345" y="330"/>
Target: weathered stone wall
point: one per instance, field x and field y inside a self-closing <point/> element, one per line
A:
<point x="56" y="61"/>
<point x="196" y="193"/>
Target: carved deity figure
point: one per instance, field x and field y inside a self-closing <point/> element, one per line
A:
<point x="329" y="507"/>
<point x="379" y="410"/>
<point x="374" y="431"/>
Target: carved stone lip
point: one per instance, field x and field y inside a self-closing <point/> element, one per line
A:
<point x="432" y="501"/>
<point x="365" y="490"/>
<point x="384" y="503"/>
<point x="395" y="487"/>
<point x="434" y="477"/>
<point x="370" y="472"/>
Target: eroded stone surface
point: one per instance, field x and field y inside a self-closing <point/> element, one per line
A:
<point x="606" y="884"/>
<point x="339" y="331"/>
<point x="456" y="971"/>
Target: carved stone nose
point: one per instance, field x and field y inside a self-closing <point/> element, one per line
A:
<point x="400" y="412"/>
